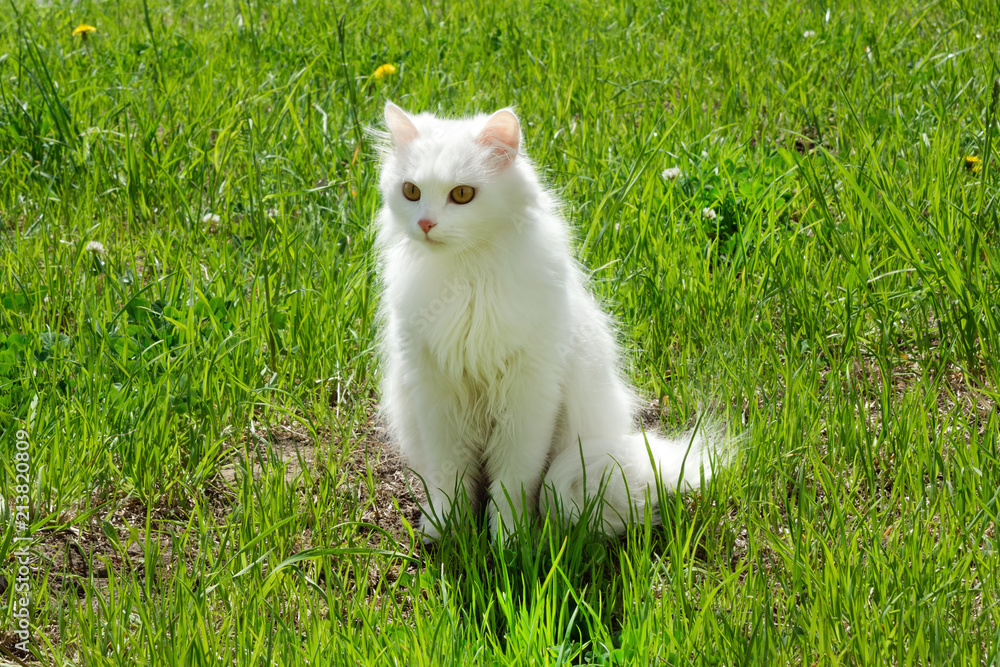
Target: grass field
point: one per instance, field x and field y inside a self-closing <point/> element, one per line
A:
<point x="187" y="377"/>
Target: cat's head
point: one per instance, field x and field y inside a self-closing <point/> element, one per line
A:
<point x="452" y="183"/>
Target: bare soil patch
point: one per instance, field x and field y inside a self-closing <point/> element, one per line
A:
<point x="395" y="502"/>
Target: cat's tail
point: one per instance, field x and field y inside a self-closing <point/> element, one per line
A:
<point x="610" y="482"/>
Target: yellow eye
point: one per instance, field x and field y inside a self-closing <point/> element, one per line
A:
<point x="463" y="194"/>
<point x="410" y="191"/>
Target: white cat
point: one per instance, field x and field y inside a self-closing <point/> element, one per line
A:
<point x="501" y="371"/>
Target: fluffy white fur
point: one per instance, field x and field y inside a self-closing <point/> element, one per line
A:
<point x="500" y="369"/>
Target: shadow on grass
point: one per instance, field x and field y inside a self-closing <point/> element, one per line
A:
<point x="562" y="580"/>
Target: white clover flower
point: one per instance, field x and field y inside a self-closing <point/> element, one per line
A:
<point x="709" y="213"/>
<point x="671" y="173"/>
<point x="210" y="219"/>
<point x="809" y="34"/>
<point x="94" y="248"/>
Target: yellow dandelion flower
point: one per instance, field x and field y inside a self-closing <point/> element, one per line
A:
<point x="973" y="164"/>
<point x="384" y="71"/>
<point x="83" y="29"/>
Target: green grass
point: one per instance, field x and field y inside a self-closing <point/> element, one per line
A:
<point x="841" y="312"/>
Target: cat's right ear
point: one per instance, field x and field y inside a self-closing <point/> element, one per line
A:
<point x="400" y="126"/>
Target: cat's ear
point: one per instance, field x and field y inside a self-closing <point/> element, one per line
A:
<point x="502" y="134"/>
<point x="400" y="126"/>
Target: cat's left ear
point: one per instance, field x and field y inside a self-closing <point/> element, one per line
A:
<point x="502" y="134"/>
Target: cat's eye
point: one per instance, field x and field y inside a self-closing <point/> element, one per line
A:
<point x="463" y="194"/>
<point x="410" y="191"/>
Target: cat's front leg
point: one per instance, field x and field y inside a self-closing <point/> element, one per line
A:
<point x="448" y="466"/>
<point x="519" y="449"/>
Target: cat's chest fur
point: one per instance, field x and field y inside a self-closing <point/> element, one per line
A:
<point x="473" y="326"/>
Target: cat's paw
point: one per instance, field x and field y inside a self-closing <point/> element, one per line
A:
<point x="430" y="530"/>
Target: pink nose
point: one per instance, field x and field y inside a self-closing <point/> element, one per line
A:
<point x="426" y="225"/>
